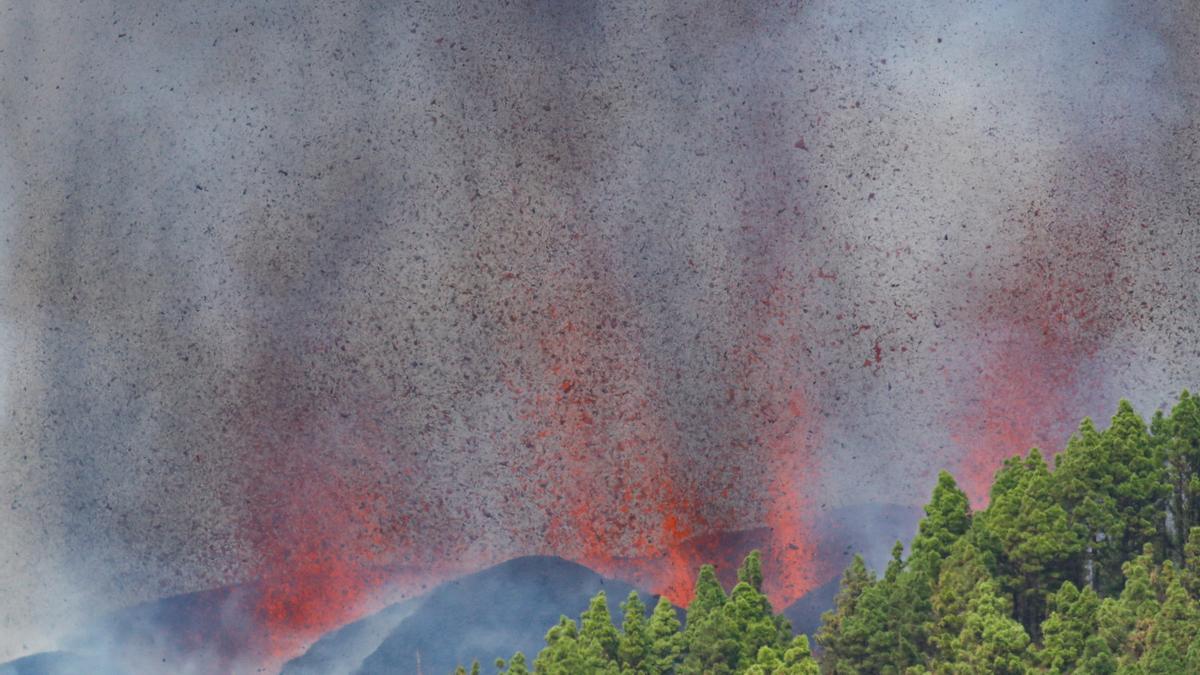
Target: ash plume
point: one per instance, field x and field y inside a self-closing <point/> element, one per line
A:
<point x="341" y="298"/>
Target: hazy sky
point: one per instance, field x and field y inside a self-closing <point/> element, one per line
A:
<point x="442" y="283"/>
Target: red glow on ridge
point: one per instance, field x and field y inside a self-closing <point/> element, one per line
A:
<point x="321" y="515"/>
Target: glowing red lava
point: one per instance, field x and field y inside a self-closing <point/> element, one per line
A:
<point x="791" y="569"/>
<point x="602" y="459"/>
<point x="1042" y="321"/>
<point x="1028" y="397"/>
<point x="321" y="517"/>
<point x="322" y="557"/>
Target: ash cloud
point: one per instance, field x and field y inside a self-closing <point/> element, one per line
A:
<point x="247" y="245"/>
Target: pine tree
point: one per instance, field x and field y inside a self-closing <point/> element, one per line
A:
<point x="1193" y="655"/>
<point x="598" y="638"/>
<point x="750" y="572"/>
<point x="710" y="641"/>
<point x="1141" y="482"/>
<point x="634" y="643"/>
<point x="1173" y="629"/>
<point x="1191" y="562"/>
<point x="882" y="628"/>
<point x="840" y="648"/>
<point x="1097" y="658"/>
<point x="1115" y="486"/>
<point x="562" y="654"/>
<point x="1124" y="623"/>
<point x="1180" y="439"/>
<point x="963" y="569"/>
<point x="1066" y="631"/>
<point x="947" y="517"/>
<point x="516" y="665"/>
<point x="799" y="658"/>
<point x="796" y="660"/>
<point x="990" y="641"/>
<point x="665" y="640"/>
<point x="1091" y="568"/>
<point x="751" y="616"/>
<point x="1034" y="544"/>
<point x="890" y="620"/>
<point x="708" y="595"/>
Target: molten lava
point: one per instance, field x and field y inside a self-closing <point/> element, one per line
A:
<point x="321" y="517"/>
<point x="1042" y="320"/>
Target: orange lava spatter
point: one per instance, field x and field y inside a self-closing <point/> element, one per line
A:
<point x="602" y="463"/>
<point x="321" y="516"/>
<point x="792" y="567"/>
<point x="1042" y="319"/>
<point x="1026" y="399"/>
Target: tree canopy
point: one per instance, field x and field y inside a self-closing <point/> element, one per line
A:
<point x="1092" y="566"/>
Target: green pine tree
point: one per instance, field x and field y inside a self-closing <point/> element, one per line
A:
<point x="516" y="665"/>
<point x="841" y="649"/>
<point x="1172" y="631"/>
<point x="1193" y="655"/>
<point x="1066" y="631"/>
<point x="990" y="640"/>
<point x="665" y="641"/>
<point x="1035" y="546"/>
<point x="634" y="643"/>
<point x="750" y="571"/>
<point x="962" y="571"/>
<point x="1115" y="486"/>
<point x="1181" y="448"/>
<point x="1124" y="622"/>
<point x="796" y="660"/>
<point x="598" y="638"/>
<point x="750" y="614"/>
<point x="562" y="654"/>
<point x="1091" y="568"/>
<point x="947" y="518"/>
<point x="1191" y="562"/>
<point x="710" y="640"/>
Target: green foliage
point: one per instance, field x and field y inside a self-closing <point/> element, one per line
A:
<point x="1191" y="563"/>
<point x="991" y="641"/>
<point x="838" y="634"/>
<point x="709" y="641"/>
<point x="1031" y="538"/>
<point x="1179" y="440"/>
<point x="963" y="570"/>
<point x="1176" y="624"/>
<point x="1093" y="567"/>
<point x="633" y="646"/>
<point x="1066" y="571"/>
<point x="1115" y="486"/>
<point x="516" y="665"/>
<point x="598" y="638"/>
<point x="1071" y="623"/>
<point x="562" y="654"/>
<point x="947" y="518"/>
<point x="796" y="660"/>
<point x="751" y="572"/>
<point x="731" y="633"/>
<point x="666" y="641"/>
